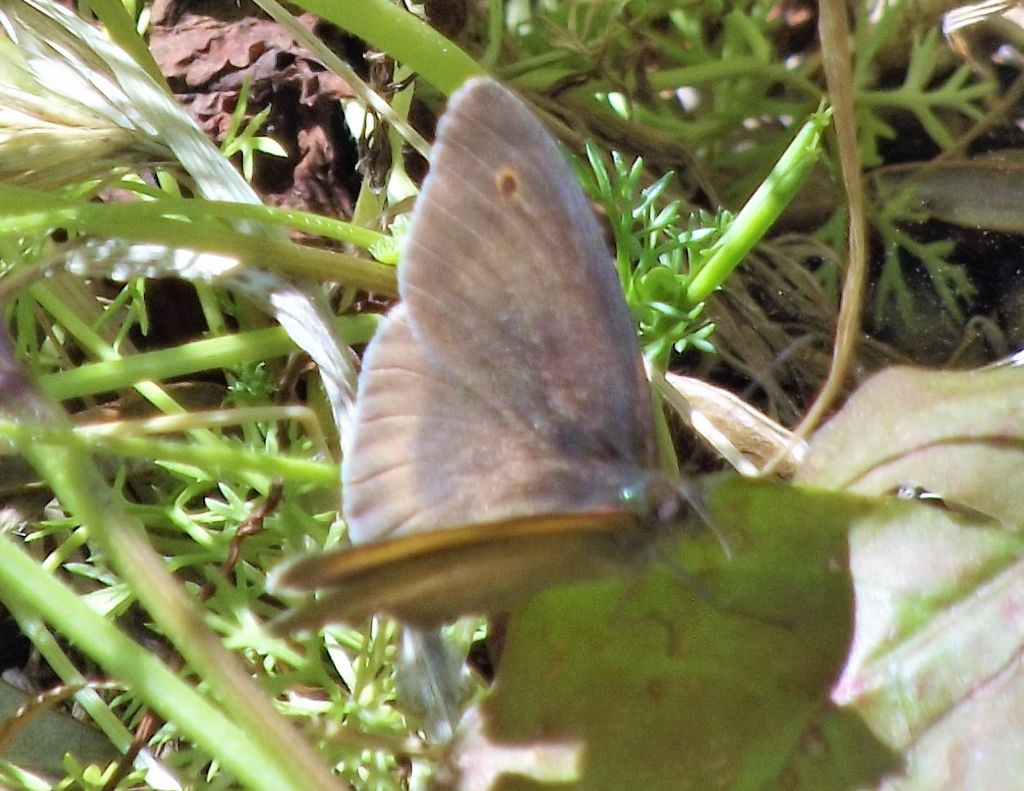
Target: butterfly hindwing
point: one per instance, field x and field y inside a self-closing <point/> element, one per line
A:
<point x="428" y="452"/>
<point x="427" y="579"/>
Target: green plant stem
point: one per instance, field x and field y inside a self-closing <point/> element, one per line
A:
<point x="204" y="355"/>
<point x="56" y="658"/>
<point x="733" y="68"/>
<point x="763" y="208"/>
<point x="198" y="210"/>
<point x="121" y="29"/>
<point x="542" y="77"/>
<point x="410" y="40"/>
<point x="238" y="747"/>
<point x="271" y="755"/>
<point x="96" y="345"/>
<point x="137" y="222"/>
<point x="149" y="390"/>
<point x="232" y="461"/>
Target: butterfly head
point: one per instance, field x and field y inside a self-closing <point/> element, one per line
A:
<point x="664" y="506"/>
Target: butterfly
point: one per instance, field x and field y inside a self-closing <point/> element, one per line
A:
<point x="503" y="438"/>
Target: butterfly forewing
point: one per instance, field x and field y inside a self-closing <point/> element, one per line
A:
<point x="505" y="394"/>
<point x="509" y="281"/>
<point x="512" y="383"/>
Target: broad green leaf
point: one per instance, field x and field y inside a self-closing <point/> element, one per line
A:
<point x="935" y="668"/>
<point x="719" y="682"/>
<point x="957" y="434"/>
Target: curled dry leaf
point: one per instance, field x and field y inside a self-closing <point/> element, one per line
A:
<point x="741" y="434"/>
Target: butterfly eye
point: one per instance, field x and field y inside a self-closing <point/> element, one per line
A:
<point x="656" y="501"/>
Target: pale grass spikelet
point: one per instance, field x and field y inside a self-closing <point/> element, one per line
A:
<point x="65" y="89"/>
<point x="64" y="117"/>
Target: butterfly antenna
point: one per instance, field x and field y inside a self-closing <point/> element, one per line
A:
<point x="696" y="497"/>
<point x="720" y="534"/>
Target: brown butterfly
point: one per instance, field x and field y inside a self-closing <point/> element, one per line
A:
<point x="503" y="438"/>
